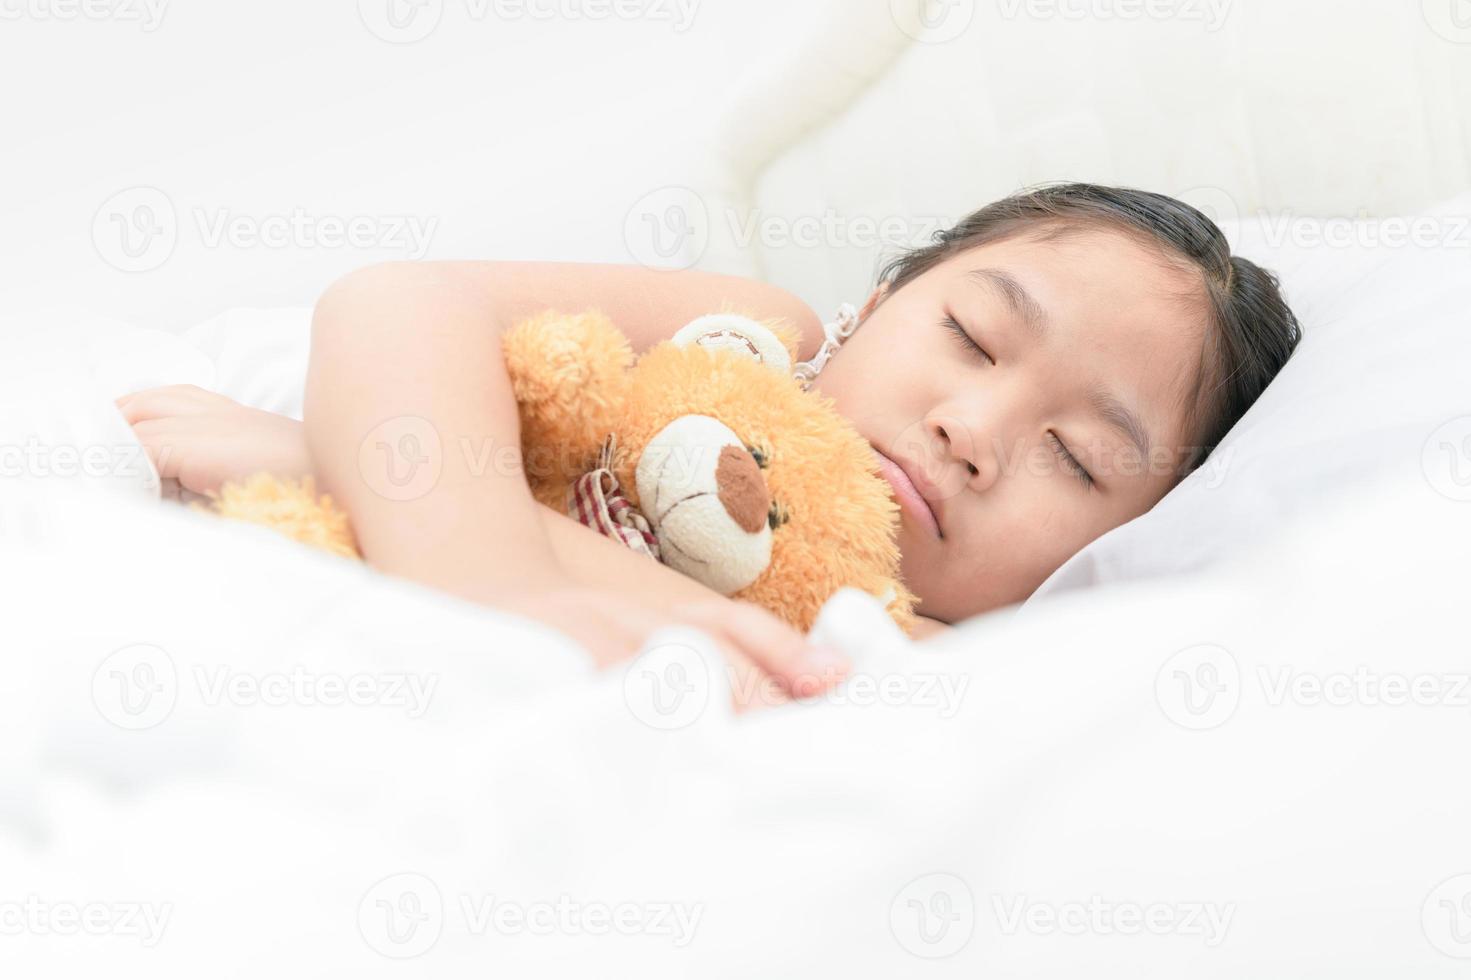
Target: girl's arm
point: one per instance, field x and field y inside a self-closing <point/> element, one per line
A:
<point x="413" y="350"/>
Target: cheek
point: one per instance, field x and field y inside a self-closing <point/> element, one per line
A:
<point x="878" y="372"/>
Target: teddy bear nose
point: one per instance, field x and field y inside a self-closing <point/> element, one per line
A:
<point x="742" y="489"/>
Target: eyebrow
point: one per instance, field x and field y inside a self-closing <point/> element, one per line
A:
<point x="1033" y="315"/>
<point x="1021" y="301"/>
<point x="1118" y="415"/>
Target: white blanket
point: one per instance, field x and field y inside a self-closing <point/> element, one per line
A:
<point x="226" y="755"/>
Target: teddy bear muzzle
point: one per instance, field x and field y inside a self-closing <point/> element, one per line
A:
<point x="707" y="502"/>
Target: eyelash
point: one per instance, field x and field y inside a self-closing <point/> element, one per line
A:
<point x="1068" y="459"/>
<point x="1071" y="462"/>
<point x="965" y="339"/>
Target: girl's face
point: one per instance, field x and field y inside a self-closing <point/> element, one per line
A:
<point x="1034" y="392"/>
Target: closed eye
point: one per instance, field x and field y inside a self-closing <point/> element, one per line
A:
<point x="965" y="339"/>
<point x="1070" y="462"/>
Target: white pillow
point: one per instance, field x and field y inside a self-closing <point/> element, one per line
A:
<point x="1376" y="392"/>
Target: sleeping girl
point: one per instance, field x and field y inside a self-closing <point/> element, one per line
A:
<point x="1042" y="372"/>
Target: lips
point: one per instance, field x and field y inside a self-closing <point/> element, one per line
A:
<point x="908" y="493"/>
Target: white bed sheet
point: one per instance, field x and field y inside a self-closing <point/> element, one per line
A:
<point x="1057" y="775"/>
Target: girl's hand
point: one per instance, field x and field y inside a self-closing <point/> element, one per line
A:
<point x="770" y="663"/>
<point x="202" y="439"/>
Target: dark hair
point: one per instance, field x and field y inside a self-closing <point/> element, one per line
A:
<point x="1251" y="332"/>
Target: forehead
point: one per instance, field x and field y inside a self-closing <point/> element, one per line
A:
<point x="1119" y="313"/>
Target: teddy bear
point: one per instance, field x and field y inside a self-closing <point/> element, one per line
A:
<point x="705" y="453"/>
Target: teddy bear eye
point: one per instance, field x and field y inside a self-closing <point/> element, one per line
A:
<point x="757" y="454"/>
<point x="777" y="516"/>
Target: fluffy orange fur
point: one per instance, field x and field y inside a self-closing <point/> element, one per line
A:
<point x="576" y="380"/>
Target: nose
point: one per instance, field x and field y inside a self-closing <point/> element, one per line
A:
<point x="965" y="445"/>
<point x="742" y="489"/>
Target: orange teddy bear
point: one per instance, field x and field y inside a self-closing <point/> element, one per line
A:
<point x="705" y="453"/>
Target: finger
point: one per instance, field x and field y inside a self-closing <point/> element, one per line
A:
<point x="612" y="631"/>
<point x="751" y="686"/>
<point x="803" y="669"/>
<point x="154" y="403"/>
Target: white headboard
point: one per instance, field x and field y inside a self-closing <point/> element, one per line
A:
<point x="893" y="117"/>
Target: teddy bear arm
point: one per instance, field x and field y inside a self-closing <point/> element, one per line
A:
<point x="569" y="374"/>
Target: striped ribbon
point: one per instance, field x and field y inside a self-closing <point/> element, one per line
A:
<point x="596" y="500"/>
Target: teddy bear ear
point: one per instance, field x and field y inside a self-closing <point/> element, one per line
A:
<point x="740" y="335"/>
